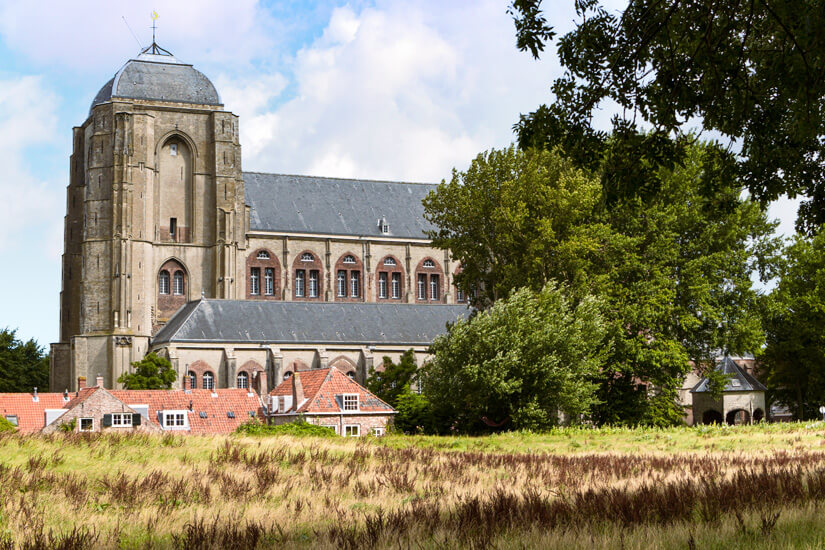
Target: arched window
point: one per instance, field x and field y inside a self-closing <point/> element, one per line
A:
<point x="177" y="287"/>
<point x="428" y="264"/>
<point x="163" y="282"/>
<point x="255" y="281"/>
<point x="287" y="374"/>
<point x="348" y="278"/>
<point x="307" y="257"/>
<point x="389" y="279"/>
<point x="193" y="380"/>
<point x="428" y="281"/>
<point x="307" y="277"/>
<point x="208" y="381"/>
<point x="349" y="259"/>
<point x="263" y="274"/>
<point x="243" y="380"/>
<point x="351" y="374"/>
<point x="263" y="255"/>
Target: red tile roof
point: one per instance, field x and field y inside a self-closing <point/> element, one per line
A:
<point x="321" y="388"/>
<point x="239" y="402"/>
<point x="31" y="415"/>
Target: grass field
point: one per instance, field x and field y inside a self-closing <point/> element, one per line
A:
<point x="742" y="487"/>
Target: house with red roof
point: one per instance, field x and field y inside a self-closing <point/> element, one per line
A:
<point x="96" y="409"/>
<point x="327" y="397"/>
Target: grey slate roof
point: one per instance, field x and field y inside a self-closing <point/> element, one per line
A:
<point x="740" y="379"/>
<point x="333" y="206"/>
<point x="250" y="321"/>
<point x="159" y="77"/>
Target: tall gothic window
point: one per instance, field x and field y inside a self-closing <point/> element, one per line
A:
<point x="382" y="285"/>
<point x="396" y="286"/>
<point x="342" y="283"/>
<point x="422" y="286"/>
<point x="313" y="283"/>
<point x="243" y="380"/>
<point x="434" y="287"/>
<point x="300" y="282"/>
<point x="177" y="287"/>
<point x="208" y="381"/>
<point x="163" y="282"/>
<point x="354" y="284"/>
<point x="193" y="380"/>
<point x="269" y="281"/>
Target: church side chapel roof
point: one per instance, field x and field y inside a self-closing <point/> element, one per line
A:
<point x="333" y="206"/>
<point x="323" y="389"/>
<point x="740" y="379"/>
<point x="155" y="74"/>
<point x="251" y="321"/>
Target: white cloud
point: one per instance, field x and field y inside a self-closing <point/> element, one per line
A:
<point x="397" y="91"/>
<point x="27" y="120"/>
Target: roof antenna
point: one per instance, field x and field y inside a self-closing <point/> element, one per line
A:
<point x="131" y="31"/>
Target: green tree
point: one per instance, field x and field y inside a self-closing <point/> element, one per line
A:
<point x="753" y="71"/>
<point x="395" y="379"/>
<point x="150" y="373"/>
<point x="518" y="364"/>
<point x="23" y="365"/>
<point x="794" y="356"/>
<point x="674" y="268"/>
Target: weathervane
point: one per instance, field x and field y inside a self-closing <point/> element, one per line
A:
<point x="154" y="48"/>
<point x="154" y="26"/>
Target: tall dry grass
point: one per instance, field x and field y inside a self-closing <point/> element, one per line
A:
<point x="141" y="491"/>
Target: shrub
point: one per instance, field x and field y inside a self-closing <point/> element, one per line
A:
<point x="298" y="428"/>
<point x="6" y="426"/>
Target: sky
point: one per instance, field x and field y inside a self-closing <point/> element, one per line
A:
<point x="381" y="89"/>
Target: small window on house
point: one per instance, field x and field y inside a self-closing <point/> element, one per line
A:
<point x="243" y="380"/>
<point x="193" y="380"/>
<point x="122" y="420"/>
<point x="378" y="431"/>
<point x="87" y="424"/>
<point x="269" y="281"/>
<point x="382" y="285"/>
<point x="173" y="149"/>
<point x="163" y="282"/>
<point x="342" y="284"/>
<point x="429" y="264"/>
<point x="350" y="401"/>
<point x="735" y="383"/>
<point x="307" y="257"/>
<point x="12" y="418"/>
<point x="349" y="259"/>
<point x="208" y="381"/>
<point x="390" y="261"/>
<point x="177" y="287"/>
<point x="313" y="283"/>
<point x="351" y="374"/>
<point x="174" y="420"/>
<point x="300" y="282"/>
<point x="287" y="374"/>
<point x="263" y="255"/>
<point x="173" y="228"/>
<point x="353" y="430"/>
<point x="255" y="281"/>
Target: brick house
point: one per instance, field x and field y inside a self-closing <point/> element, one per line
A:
<point x="96" y="409"/>
<point x="327" y="397"/>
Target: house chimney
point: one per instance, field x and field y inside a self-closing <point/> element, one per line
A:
<point x="99" y="381"/>
<point x="34" y="395"/>
<point x="81" y="382"/>
<point x="65" y="395"/>
<point x="297" y="391"/>
<point x="261" y="383"/>
<point x="187" y="381"/>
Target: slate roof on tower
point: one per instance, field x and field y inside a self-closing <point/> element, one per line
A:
<point x="334" y="206"/>
<point x="308" y="323"/>
<point x="159" y="77"/>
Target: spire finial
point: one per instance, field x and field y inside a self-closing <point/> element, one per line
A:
<point x="154" y="26"/>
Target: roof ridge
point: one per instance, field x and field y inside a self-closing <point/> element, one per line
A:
<point x="188" y="316"/>
<point x="339" y="178"/>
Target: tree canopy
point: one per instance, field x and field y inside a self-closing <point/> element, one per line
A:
<point x="150" y="373"/>
<point x="753" y="71"/>
<point x="674" y="269"/>
<point x="518" y="364"/>
<point x="23" y="365"/>
<point x="794" y="357"/>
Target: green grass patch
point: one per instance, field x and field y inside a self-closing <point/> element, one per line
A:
<point x="299" y="428"/>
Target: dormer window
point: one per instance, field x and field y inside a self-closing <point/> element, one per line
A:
<point x="307" y="257"/>
<point x="383" y="226"/>
<point x="349" y="259"/>
<point x="174" y="420"/>
<point x="350" y="401"/>
<point x="428" y="264"/>
<point x="263" y="255"/>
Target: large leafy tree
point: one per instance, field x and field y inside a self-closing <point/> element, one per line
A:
<point x="23" y="365"/>
<point x="674" y="268"/>
<point x="150" y="373"/>
<point x="518" y="364"/>
<point x="751" y="70"/>
<point x="394" y="386"/>
<point x="794" y="357"/>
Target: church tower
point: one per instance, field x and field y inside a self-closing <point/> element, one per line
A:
<point x="155" y="214"/>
